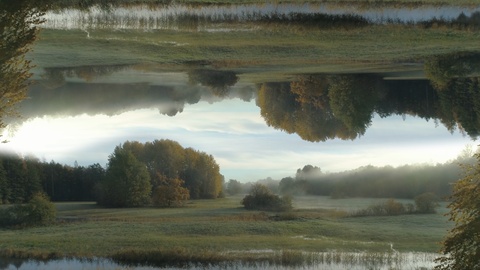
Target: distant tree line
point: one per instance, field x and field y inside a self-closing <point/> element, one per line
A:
<point x="403" y="182"/>
<point x="162" y="172"/>
<point x="234" y="187"/>
<point x="22" y="177"/>
<point x="377" y="182"/>
<point x="406" y="181"/>
<point x="425" y="203"/>
<point x="463" y="22"/>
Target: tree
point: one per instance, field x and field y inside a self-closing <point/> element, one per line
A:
<point x="218" y="81"/>
<point x="312" y="121"/>
<point x="290" y="186"/>
<point x="19" y="20"/>
<point x="170" y="193"/>
<point x="461" y="247"/>
<point x="441" y="69"/>
<point x="201" y="174"/>
<point x="164" y="156"/>
<point x="311" y="89"/>
<point x="261" y="198"/>
<point x="234" y="187"/>
<point x="4" y="188"/>
<point x="426" y="202"/>
<point x="459" y="105"/>
<point x="93" y="175"/>
<point x="16" y="178"/>
<point x="308" y="172"/>
<point x="38" y="211"/>
<point x="352" y="100"/>
<point x="127" y="182"/>
<point x="168" y="158"/>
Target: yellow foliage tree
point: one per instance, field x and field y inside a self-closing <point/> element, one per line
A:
<point x="18" y="30"/>
<point x="170" y="193"/>
<point x="461" y="247"/>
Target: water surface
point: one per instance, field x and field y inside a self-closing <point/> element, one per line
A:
<point x="174" y="16"/>
<point x="332" y="261"/>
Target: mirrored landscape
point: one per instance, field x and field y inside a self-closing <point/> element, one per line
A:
<point x="225" y="110"/>
<point x="323" y="102"/>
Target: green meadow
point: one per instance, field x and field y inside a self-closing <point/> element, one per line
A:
<point x="217" y="226"/>
<point x="250" y="51"/>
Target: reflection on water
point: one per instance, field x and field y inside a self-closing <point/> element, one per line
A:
<point x="168" y="92"/>
<point x="330" y="260"/>
<point x="317" y="107"/>
<point x="175" y="16"/>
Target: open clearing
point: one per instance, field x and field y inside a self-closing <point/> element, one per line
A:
<point x="218" y="225"/>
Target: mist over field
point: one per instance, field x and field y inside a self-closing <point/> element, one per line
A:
<point x="403" y="182"/>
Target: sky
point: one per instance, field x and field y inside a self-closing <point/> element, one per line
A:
<point x="239" y="139"/>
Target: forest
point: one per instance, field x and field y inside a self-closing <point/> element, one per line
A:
<point x="161" y="162"/>
<point x="403" y="182"/>
<point x="320" y="107"/>
<point x="167" y="163"/>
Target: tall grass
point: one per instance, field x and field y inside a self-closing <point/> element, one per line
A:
<point x="179" y="257"/>
<point x="24" y="254"/>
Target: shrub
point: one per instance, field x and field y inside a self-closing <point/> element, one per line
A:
<point x="38" y="211"/>
<point x="387" y="208"/>
<point x="170" y="194"/>
<point x="426" y="202"/>
<point x="261" y="198"/>
<point x="393" y="207"/>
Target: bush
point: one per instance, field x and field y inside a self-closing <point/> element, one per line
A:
<point x="170" y="194"/>
<point x="261" y="198"/>
<point x="393" y="208"/>
<point x="426" y="202"/>
<point x="38" y="211"/>
<point x="387" y="208"/>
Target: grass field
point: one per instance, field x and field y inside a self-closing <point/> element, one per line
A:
<point x="86" y="230"/>
<point x="252" y="52"/>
